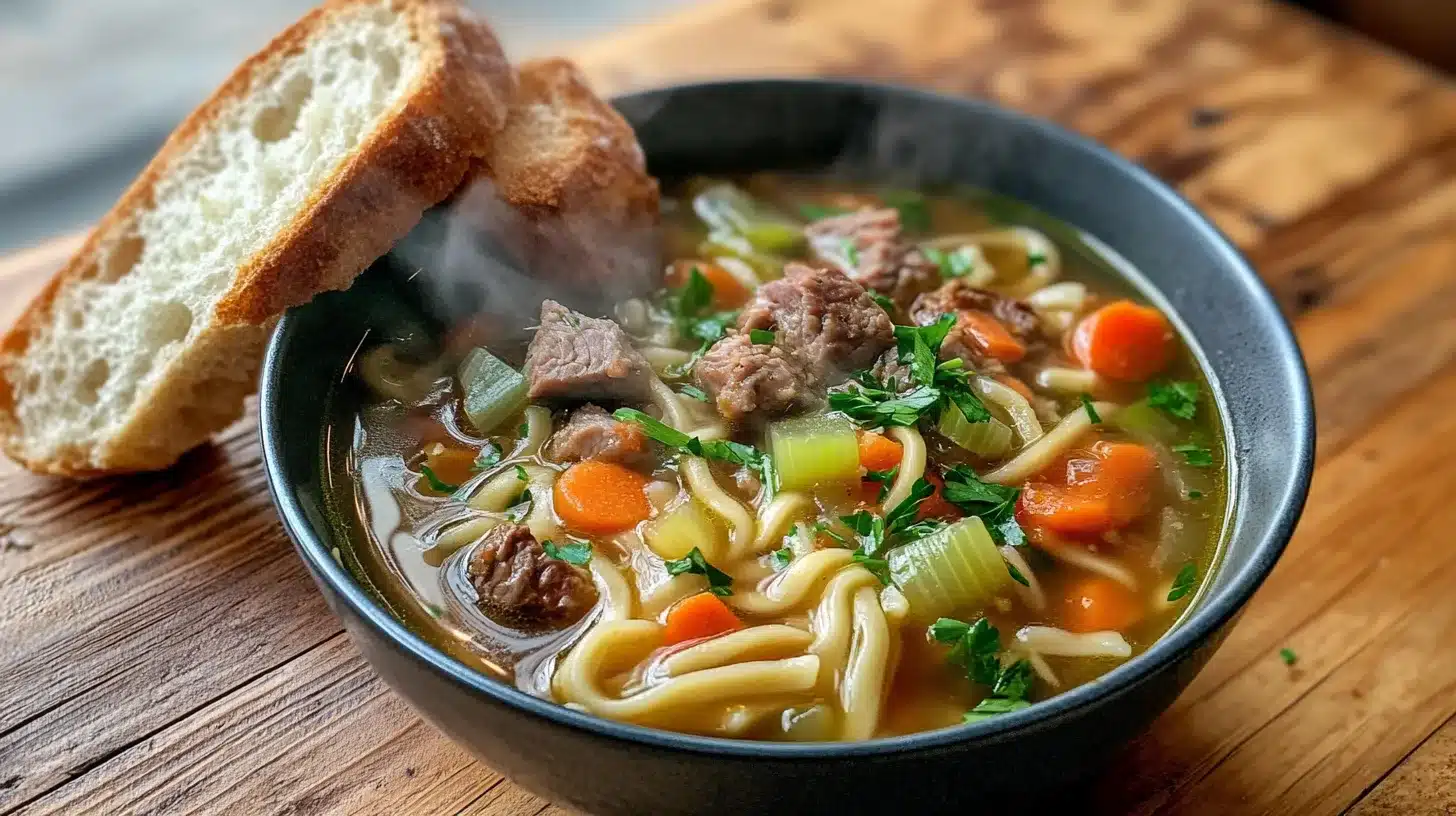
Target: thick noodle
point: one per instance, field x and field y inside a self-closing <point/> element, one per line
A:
<point x="853" y="642"/>
<point x="912" y="465"/>
<point x="1034" y="458"/>
<point x="1049" y="640"/>
<point x="1067" y="380"/>
<point x="699" y="476"/>
<point x="794" y="586"/>
<point x="1076" y="555"/>
<point x="1023" y="416"/>
<point x="1032" y="594"/>
<point x="777" y="517"/>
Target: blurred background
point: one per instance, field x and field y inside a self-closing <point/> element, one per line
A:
<point x="90" y="88"/>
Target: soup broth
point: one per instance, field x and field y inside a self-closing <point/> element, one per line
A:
<point x="871" y="462"/>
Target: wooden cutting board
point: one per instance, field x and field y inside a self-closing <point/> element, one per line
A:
<point x="162" y="650"/>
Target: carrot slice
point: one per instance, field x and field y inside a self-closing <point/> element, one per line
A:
<point x="1124" y="341"/>
<point x="1090" y="492"/>
<point x="728" y="291"/>
<point x="698" y="616"/>
<point x="601" y="497"/>
<point x="1098" y="604"/>
<point x="935" y="506"/>
<point x="450" y="465"/>
<point x="991" y="336"/>
<point x="878" y="452"/>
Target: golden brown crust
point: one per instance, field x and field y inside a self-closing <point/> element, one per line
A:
<point x="444" y="125"/>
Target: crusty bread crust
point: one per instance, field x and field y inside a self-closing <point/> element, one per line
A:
<point x="418" y="153"/>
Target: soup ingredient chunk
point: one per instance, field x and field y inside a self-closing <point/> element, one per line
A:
<point x="1124" y="341"/>
<point x="824" y="317"/>
<point x="575" y="357"/>
<point x="697" y="617"/>
<point x="516" y="582"/>
<point x="1100" y="604"/>
<point x="1090" y="492"/>
<point x="601" y="498"/>
<point x="990" y="329"/>
<point x="867" y="244"/>
<point x="742" y="378"/>
<point x="591" y="433"/>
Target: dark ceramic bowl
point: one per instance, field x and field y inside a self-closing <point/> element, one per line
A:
<point x="909" y="137"/>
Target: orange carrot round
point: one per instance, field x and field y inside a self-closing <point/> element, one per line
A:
<point x="698" y="616"/>
<point x="1099" y="604"/>
<point x="1092" y="491"/>
<point x="601" y="497"/>
<point x="728" y="291"/>
<point x="877" y="451"/>
<point x="1124" y="341"/>
<point x="935" y="506"/>
<point x="991" y="336"/>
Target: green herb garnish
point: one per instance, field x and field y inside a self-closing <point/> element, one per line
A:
<point x="976" y="647"/>
<point x="994" y="504"/>
<point x="1090" y="409"/>
<point x="991" y="706"/>
<point x="883" y="302"/>
<point x="1195" y="494"/>
<point x="720" y="449"/>
<point x="761" y="337"/>
<point x="1035" y="259"/>
<point x="695" y="295"/>
<point x="878" y="567"/>
<point x="693" y="392"/>
<point x="1195" y="455"/>
<point x="520" y="508"/>
<point x="850" y="251"/>
<point x="902" y="516"/>
<point x="957" y="263"/>
<point x="523" y="429"/>
<point x="1183" y="582"/>
<point x="814" y="212"/>
<point x="1288" y="656"/>
<point x="656" y="429"/>
<point x="577" y="552"/>
<point x="719" y="582"/>
<point x="1016" y="575"/>
<point x="914" y="209"/>
<point x="875" y="407"/>
<point x="436" y="483"/>
<point x="1178" y="398"/>
<point x="522" y="475"/>
<point x="884" y="478"/>
<point x="489" y="457"/>
<point x="710" y="329"/>
<point x="781" y="558"/>
<point x="918" y="346"/>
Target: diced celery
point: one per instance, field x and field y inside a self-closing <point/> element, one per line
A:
<point x="990" y="439"/>
<point x="1142" y="420"/>
<point x="726" y="208"/>
<point x="956" y="568"/>
<point x="727" y="244"/>
<point x="493" y="390"/>
<point x="810" y="451"/>
<point x="675" y="533"/>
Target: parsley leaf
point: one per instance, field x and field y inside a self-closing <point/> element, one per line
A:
<point x="761" y="337"/>
<point x="976" y="648"/>
<point x="918" y="346"/>
<point x="719" y="582"/>
<point x="914" y="209"/>
<point x="814" y="212"/>
<point x="1178" y="398"/>
<point x="520" y="508"/>
<point x="884" y="302"/>
<point x="522" y="475"/>
<point x="991" y="706"/>
<point x="995" y="504"/>
<point x="948" y="630"/>
<point x="870" y="530"/>
<point x="1016" y="575"/>
<point x="654" y="428"/>
<point x="523" y="429"/>
<point x="695" y="294"/>
<point x="781" y="558"/>
<point x="1014" y="681"/>
<point x="878" y="567"/>
<point x="851" y="252"/>
<point x="489" y="457"/>
<point x="436" y="483"/>
<point x="954" y="264"/>
<point x="1183" y="582"/>
<point x="1035" y="259"/>
<point x="720" y="449"/>
<point x="884" y="478"/>
<point x="1288" y="656"/>
<point x="1195" y="455"/>
<point x="694" y="392"/>
<point x="823" y="527"/>
<point x="1090" y="409"/>
<point x="877" y="407"/>
<point x="1195" y="494"/>
<point x="902" y="516"/>
<point x="578" y="553"/>
<point x="679" y="371"/>
<point x="710" y="329"/>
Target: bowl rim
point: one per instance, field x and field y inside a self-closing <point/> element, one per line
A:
<point x="1212" y="613"/>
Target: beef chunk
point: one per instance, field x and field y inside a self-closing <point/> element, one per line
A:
<point x="823" y="317"/>
<point x="575" y="357"/>
<point x="881" y="259"/>
<point x="957" y="297"/>
<point x="742" y="378"/>
<point x="591" y="433"/>
<point x="516" y="582"/>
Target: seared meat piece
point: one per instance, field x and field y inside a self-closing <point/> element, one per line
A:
<point x="516" y="582"/>
<point x="742" y="378"/>
<point x="591" y="433"/>
<point x="824" y="318"/>
<point x="575" y="357"/>
<point x="880" y="259"/>
<point x="958" y="297"/>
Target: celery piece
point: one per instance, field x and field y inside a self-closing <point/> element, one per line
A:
<point x="676" y="532"/>
<point x="990" y="439"/>
<point x="955" y="568"/>
<point x="809" y="451"/>
<point x="493" y="390"/>
<point x="729" y="244"/>
<point x="726" y="208"/>
<point x="1142" y="421"/>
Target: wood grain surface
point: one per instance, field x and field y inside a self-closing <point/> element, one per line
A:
<point x="162" y="650"/>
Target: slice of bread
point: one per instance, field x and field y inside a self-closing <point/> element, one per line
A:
<point x="313" y="158"/>
<point x="566" y="195"/>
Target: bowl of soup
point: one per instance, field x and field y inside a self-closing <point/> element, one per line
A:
<point x="934" y="465"/>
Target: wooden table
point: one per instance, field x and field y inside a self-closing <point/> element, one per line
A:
<point x="162" y="650"/>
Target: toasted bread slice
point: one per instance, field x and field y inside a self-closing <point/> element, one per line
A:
<point x="565" y="197"/>
<point x="313" y="158"/>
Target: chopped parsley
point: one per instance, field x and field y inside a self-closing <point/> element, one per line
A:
<point x="1195" y="455"/>
<point x="435" y="482"/>
<point x="720" y="449"/>
<point x="870" y="530"/>
<point x="694" y="296"/>
<point x="874" y="406"/>
<point x="883" y="302"/>
<point x="523" y="429"/>
<point x="578" y="553"/>
<point x="781" y="558"/>
<point x="914" y="209"/>
<point x="991" y="706"/>
<point x="1288" y="656"/>
<point x="814" y="212"/>
<point x="521" y="474"/>
<point x="878" y="567"/>
<point x="719" y="582"/>
<point x="761" y="337"/>
<point x="957" y="263"/>
<point x="1090" y="409"/>
<point x="694" y="392"/>
<point x="1016" y="575"/>
<point x="918" y="346"/>
<point x="901" y="518"/>
<point x="1183" y="582"/>
<point x="489" y="457"/>
<point x="851" y="252"/>
<point x="994" y="504"/>
<point x="1195" y="494"/>
<point x="884" y="478"/>
<point x="1035" y="259"/>
<point x="710" y="329"/>
<point x="1178" y="398"/>
<point x="520" y="508"/>
<point x="976" y="647"/>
